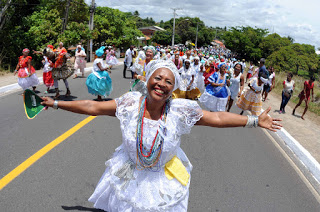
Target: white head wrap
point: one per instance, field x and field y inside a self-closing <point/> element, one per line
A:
<point x="187" y="60"/>
<point x="154" y="51"/>
<point x="156" y="64"/>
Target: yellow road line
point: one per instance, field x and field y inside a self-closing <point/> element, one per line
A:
<point x="31" y="160"/>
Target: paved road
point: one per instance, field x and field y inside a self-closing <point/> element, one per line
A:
<point x="234" y="169"/>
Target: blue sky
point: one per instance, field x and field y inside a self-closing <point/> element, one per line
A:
<point x="298" y="19"/>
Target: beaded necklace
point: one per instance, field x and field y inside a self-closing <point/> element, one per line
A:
<point x="149" y="159"/>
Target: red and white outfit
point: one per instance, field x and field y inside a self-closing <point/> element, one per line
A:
<point x="250" y="72"/>
<point x="308" y="86"/>
<point x="26" y="78"/>
<point x="47" y="74"/>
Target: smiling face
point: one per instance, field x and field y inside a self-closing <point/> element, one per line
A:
<point x="187" y="64"/>
<point x="237" y="69"/>
<point x="161" y="84"/>
<point x="149" y="54"/>
<point x="223" y="69"/>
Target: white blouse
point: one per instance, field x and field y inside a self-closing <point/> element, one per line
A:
<point x="125" y="188"/>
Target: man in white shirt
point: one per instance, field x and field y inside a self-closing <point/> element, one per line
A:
<point x="128" y="60"/>
<point x="243" y="64"/>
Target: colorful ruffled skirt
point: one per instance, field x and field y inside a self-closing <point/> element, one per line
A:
<point x="99" y="83"/>
<point x="63" y="72"/>
<point x="250" y="100"/>
<point x="47" y="79"/>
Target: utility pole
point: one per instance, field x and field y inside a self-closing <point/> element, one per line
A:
<point x="174" y="23"/>
<point x="92" y="9"/>
<point x="66" y="16"/>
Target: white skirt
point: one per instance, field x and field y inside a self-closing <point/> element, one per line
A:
<point x="137" y="191"/>
<point x="112" y="61"/>
<point x="213" y="103"/>
<point x="27" y="82"/>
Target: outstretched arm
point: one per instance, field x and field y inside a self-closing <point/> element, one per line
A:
<point x="87" y="107"/>
<point x="226" y="119"/>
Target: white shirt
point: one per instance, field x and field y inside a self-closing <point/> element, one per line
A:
<point x="128" y="57"/>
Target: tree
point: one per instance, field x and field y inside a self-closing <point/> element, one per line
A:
<point x="272" y="43"/>
<point x="164" y="37"/>
<point x="113" y="27"/>
<point x="245" y="41"/>
<point x="293" y="58"/>
<point x="136" y="13"/>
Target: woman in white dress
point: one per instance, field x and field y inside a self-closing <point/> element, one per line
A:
<point x="251" y="98"/>
<point x="140" y="68"/>
<point x="188" y="86"/>
<point x="80" y="62"/>
<point x="149" y="171"/>
<point x="199" y="73"/>
<point x="236" y="85"/>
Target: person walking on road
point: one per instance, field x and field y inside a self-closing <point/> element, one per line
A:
<point x="60" y="68"/>
<point x="99" y="82"/>
<point x="288" y="88"/>
<point x="269" y="85"/>
<point x="236" y="85"/>
<point x="215" y="97"/>
<point x="128" y="61"/>
<point x="305" y="96"/>
<point x="149" y="171"/>
<point x="251" y="98"/>
<point x="80" y="62"/>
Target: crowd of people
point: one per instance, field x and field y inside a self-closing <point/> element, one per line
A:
<point x="216" y="78"/>
<point x="168" y="84"/>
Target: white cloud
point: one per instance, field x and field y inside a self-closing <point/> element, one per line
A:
<point x="294" y="18"/>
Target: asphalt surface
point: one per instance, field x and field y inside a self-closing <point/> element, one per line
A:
<point x="235" y="169"/>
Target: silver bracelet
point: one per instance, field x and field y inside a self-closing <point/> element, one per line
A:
<point x="252" y="121"/>
<point x="55" y="104"/>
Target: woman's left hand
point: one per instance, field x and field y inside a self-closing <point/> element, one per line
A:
<point x="266" y="121"/>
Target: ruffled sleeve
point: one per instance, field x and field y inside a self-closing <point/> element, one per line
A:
<point x="213" y="78"/>
<point x="127" y="104"/>
<point x="183" y="115"/>
<point x="137" y="68"/>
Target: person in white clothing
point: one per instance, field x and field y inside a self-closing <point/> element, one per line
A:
<point x="80" y="62"/>
<point x="236" y="85"/>
<point x="288" y="88"/>
<point x="188" y="86"/>
<point x="128" y="60"/>
<point x="149" y="171"/>
<point x="250" y="71"/>
<point x="269" y="85"/>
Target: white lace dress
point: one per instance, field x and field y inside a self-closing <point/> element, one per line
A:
<point x="125" y="188"/>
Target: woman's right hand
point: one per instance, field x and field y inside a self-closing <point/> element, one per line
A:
<point x="47" y="101"/>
